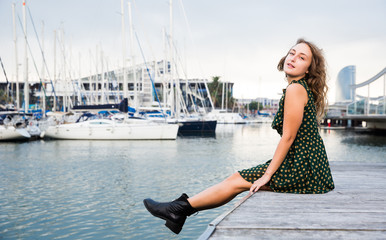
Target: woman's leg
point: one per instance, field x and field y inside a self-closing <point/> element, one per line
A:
<point x="175" y="212"/>
<point x="221" y="193"/>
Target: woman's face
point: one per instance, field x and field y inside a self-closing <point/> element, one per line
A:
<point x="298" y="61"/>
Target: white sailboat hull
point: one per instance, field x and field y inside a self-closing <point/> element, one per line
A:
<point x="110" y="130"/>
<point x="12" y="133"/>
<point x="223" y="117"/>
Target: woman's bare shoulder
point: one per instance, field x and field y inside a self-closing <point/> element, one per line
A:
<point x="296" y="92"/>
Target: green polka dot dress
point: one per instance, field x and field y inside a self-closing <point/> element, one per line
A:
<point x="305" y="168"/>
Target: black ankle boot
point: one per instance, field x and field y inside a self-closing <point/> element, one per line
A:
<point x="174" y="212"/>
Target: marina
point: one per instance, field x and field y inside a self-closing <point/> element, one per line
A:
<point x="83" y="189"/>
<point x="180" y="103"/>
<point x="143" y="90"/>
<point x="104" y="104"/>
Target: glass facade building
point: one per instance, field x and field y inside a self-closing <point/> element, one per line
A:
<point x="346" y="78"/>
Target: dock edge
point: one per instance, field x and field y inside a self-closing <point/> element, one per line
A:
<point x="212" y="225"/>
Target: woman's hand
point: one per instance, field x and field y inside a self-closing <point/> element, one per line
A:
<point x="259" y="183"/>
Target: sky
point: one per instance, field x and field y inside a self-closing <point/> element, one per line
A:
<point x="240" y="41"/>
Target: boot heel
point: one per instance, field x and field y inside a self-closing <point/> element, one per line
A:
<point x="175" y="227"/>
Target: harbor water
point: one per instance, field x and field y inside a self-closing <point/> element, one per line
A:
<point x="52" y="189"/>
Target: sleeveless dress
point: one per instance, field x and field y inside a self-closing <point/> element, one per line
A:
<point x="305" y="169"/>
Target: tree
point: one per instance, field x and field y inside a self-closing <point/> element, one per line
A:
<point x="4" y="98"/>
<point x="255" y="106"/>
<point x="215" y="89"/>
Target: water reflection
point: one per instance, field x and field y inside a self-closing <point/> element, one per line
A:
<point x="352" y="145"/>
<point x="94" y="189"/>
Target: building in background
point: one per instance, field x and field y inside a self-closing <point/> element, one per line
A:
<point x="345" y="80"/>
<point x="153" y="87"/>
<point x="268" y="105"/>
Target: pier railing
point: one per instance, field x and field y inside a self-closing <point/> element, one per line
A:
<point x="367" y="106"/>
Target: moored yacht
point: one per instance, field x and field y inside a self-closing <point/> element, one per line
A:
<point x="10" y="133"/>
<point x="224" y="117"/>
<point x="106" y="129"/>
<point x="10" y="129"/>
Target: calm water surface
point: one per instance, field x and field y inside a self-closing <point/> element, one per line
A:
<point x="94" y="189"/>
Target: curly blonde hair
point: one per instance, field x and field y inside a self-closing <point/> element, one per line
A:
<point x="316" y="77"/>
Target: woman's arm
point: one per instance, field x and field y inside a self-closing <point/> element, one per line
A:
<point x="295" y="100"/>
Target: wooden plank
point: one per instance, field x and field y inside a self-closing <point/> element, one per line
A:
<point x="356" y="209"/>
<point x="316" y="220"/>
<point x="291" y="234"/>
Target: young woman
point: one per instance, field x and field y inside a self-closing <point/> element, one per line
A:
<point x="300" y="163"/>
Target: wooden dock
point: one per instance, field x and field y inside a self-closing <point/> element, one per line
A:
<point x="355" y="209"/>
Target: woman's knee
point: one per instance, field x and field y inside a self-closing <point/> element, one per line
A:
<point x="234" y="177"/>
<point x="237" y="181"/>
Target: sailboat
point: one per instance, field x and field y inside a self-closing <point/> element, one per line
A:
<point x="189" y="125"/>
<point x="107" y="129"/>
<point x="11" y="130"/>
<point x="224" y="117"/>
<point x="197" y="127"/>
<point x="10" y="133"/>
<point x="113" y="128"/>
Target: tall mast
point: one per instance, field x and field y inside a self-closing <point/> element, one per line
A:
<point x="80" y="83"/>
<point x="226" y="96"/>
<point x="96" y="75"/>
<point x="91" y="88"/>
<point x="42" y="74"/>
<point x="186" y="72"/>
<point x="384" y="92"/>
<point x="222" y="95"/>
<point x="26" y="85"/>
<point x="54" y="87"/>
<point x="173" y="100"/>
<point x="103" y="95"/>
<point x="16" y="61"/>
<point x="124" y="51"/>
<point x="134" y="69"/>
<point x="64" y="73"/>
<point x="165" y="85"/>
<point x="108" y="89"/>
<point x="209" y="96"/>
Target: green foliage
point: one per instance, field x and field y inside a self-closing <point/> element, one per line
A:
<point x="255" y="106"/>
<point x="215" y="89"/>
<point x="3" y="97"/>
